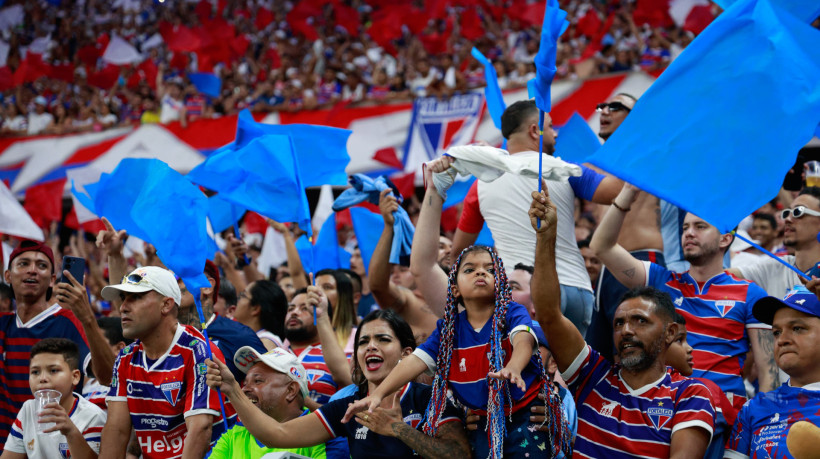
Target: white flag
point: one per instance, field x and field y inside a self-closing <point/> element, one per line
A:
<point x="120" y="52"/>
<point x="14" y="220"/>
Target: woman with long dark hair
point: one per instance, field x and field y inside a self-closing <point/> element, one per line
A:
<point x="262" y="307"/>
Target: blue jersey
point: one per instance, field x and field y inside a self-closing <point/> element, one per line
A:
<point x="363" y="442"/>
<point x="16" y="340"/>
<point x="616" y="421"/>
<point x="717" y="313"/>
<point x="763" y="424"/>
<point x="469" y="364"/>
<point x="229" y="336"/>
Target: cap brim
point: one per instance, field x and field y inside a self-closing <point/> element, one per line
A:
<point x="245" y="358"/>
<point x="112" y="292"/>
<point x="765" y="308"/>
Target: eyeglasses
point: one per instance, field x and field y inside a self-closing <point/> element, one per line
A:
<point x="612" y="106"/>
<point x="798" y="212"/>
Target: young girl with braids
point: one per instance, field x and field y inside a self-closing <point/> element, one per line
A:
<point x="485" y="355"/>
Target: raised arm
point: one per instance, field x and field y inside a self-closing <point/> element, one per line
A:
<point x="111" y="241"/>
<point x="387" y="294"/>
<point x="295" y="268"/>
<point x="762" y="343"/>
<point x="301" y="432"/>
<point x="333" y="353"/>
<point x="626" y="268"/>
<point x="565" y="340"/>
<point x="431" y="280"/>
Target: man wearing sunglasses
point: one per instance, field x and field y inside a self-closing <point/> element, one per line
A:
<point x="801" y="227"/>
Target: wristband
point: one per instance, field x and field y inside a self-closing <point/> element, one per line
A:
<point x="615" y="205"/>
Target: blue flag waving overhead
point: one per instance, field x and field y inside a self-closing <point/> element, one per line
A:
<point x="576" y="141"/>
<point x="368" y="227"/>
<point x="716" y="133"/>
<point x="223" y="214"/>
<point x="321" y="150"/>
<point x="368" y="189"/>
<point x="555" y="24"/>
<point x="492" y="92"/>
<point x="155" y="203"/>
<point x="804" y="10"/>
<point x="326" y="253"/>
<point x="262" y="176"/>
<point x="206" y="83"/>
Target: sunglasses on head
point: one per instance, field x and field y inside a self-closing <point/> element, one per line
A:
<point x="132" y="279"/>
<point x="612" y="106"/>
<point x="798" y="212"/>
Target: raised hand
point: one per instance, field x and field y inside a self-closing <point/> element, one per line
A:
<point x="111" y="240"/>
<point x="513" y="376"/>
<point x="387" y="205"/>
<point x="542" y="208"/>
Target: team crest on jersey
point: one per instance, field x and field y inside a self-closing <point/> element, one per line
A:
<point x="171" y="391"/>
<point x="659" y="415"/>
<point x="413" y="420"/>
<point x="64" y="452"/>
<point x="724" y="306"/>
<point x="314" y="376"/>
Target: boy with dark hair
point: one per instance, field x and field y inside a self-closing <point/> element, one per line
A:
<point x="76" y="421"/>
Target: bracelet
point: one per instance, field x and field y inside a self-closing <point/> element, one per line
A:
<point x="615" y="205"/>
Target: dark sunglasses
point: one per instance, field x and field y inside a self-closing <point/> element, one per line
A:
<point x="798" y="212"/>
<point x="132" y="279"/>
<point x="612" y="106"/>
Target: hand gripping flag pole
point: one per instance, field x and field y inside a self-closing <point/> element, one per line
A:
<point x="210" y="355"/>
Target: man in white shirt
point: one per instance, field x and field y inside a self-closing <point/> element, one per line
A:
<point x="40" y="118"/>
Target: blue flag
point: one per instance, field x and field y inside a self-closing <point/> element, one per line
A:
<point x="262" y="176"/>
<point x="326" y="253"/>
<point x="368" y="228"/>
<point x="457" y="192"/>
<point x="555" y="24"/>
<point x="716" y="133"/>
<point x="206" y="83"/>
<point x="155" y="203"/>
<point x="223" y="214"/>
<point x="805" y="10"/>
<point x="485" y="237"/>
<point x="321" y="150"/>
<point x="576" y="142"/>
<point x="492" y="92"/>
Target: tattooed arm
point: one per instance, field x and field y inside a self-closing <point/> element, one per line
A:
<point x="451" y="440"/>
<point x="762" y="343"/>
<point x="626" y="268"/>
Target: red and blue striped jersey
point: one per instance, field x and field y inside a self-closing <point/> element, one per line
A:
<point x="616" y="421"/>
<point x="162" y="393"/>
<point x="717" y="315"/>
<point x="16" y="340"/>
<point x="763" y="424"/>
<point x="470" y="362"/>
<point x="320" y="382"/>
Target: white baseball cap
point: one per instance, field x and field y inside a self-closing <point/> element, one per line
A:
<point x="145" y="279"/>
<point x="278" y="359"/>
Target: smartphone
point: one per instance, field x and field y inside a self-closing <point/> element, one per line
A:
<point x="74" y="265"/>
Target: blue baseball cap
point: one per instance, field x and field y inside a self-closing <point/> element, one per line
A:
<point x="799" y="299"/>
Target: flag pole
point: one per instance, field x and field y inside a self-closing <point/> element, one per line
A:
<point x="540" y="155"/>
<point x="209" y="354"/>
<point x="312" y="278"/>
<point x="236" y="233"/>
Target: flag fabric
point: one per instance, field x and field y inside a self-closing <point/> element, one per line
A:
<point x="727" y="139"/>
<point x="14" y="220"/>
<point x="457" y="192"/>
<point x="223" y="214"/>
<point x="155" y="203"/>
<point x="366" y="189"/>
<point x="554" y="25"/>
<point x="368" y="227"/>
<point x="324" y="207"/>
<point x="262" y="176"/>
<point x="576" y="142"/>
<point x="804" y="10"/>
<point x="207" y="83"/>
<point x="120" y="52"/>
<point x="326" y="253"/>
<point x="44" y="201"/>
<point x="320" y="150"/>
<point x="492" y="92"/>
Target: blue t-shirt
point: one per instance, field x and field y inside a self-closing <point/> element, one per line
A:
<point x="469" y="364"/>
<point x="763" y="423"/>
<point x="229" y="336"/>
<point x="585" y="186"/>
<point x="363" y="442"/>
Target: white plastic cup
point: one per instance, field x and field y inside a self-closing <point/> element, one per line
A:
<point x="42" y="398"/>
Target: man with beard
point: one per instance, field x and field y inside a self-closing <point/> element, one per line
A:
<point x="303" y="337"/>
<point x="802" y="224"/>
<point x="716" y="305"/>
<point x="636" y="408"/>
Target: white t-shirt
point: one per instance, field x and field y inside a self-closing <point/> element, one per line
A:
<point x="25" y="439"/>
<point x="18" y="123"/>
<point x="744" y="259"/>
<point x="37" y="123"/>
<point x="771" y="276"/>
<point x="504" y="204"/>
<point x="171" y="109"/>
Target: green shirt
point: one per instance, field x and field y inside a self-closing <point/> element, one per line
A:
<point x="239" y="443"/>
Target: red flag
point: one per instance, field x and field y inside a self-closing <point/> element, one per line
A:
<point x="6" y="79"/>
<point x="105" y="78"/>
<point x="528" y="15"/>
<point x="301" y="27"/>
<point x="64" y="72"/>
<point x="44" y="202"/>
<point x="589" y="24"/>
<point x="652" y="12"/>
<point x="303" y="10"/>
<point x="239" y="45"/>
<point x="264" y="17"/>
<point x="435" y="43"/>
<point x="699" y="18"/>
<point x="595" y="43"/>
<point x="181" y="39"/>
<point x="179" y="62"/>
<point x="471" y="27"/>
<point x="203" y="10"/>
<point x="30" y="69"/>
<point x="88" y="55"/>
<point x="255" y="223"/>
<point x="348" y="18"/>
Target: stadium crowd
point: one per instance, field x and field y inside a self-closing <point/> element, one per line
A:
<point x="58" y="77"/>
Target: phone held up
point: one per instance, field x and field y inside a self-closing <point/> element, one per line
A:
<point x="74" y="265"/>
